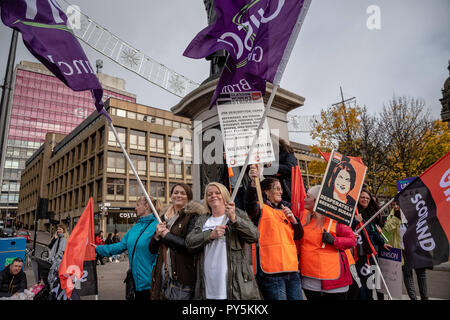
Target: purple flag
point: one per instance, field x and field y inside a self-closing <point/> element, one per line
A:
<point x="46" y="35"/>
<point x="259" y="36"/>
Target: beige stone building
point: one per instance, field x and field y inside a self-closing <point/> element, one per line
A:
<point x="88" y="162"/>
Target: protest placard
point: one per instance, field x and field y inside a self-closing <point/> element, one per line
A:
<point x="239" y="116"/>
<point x="340" y="188"/>
<point x="390" y="263"/>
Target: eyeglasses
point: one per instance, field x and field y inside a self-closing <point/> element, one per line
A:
<point x="277" y="189"/>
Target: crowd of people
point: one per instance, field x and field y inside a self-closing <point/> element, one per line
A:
<point x="214" y="249"/>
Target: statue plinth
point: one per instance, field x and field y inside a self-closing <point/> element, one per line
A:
<point x="195" y="106"/>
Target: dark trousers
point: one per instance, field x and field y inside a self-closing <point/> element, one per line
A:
<point x="317" y="295"/>
<point x="409" y="281"/>
<point x="142" y="295"/>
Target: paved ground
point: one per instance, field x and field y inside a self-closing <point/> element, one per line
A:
<point x="111" y="276"/>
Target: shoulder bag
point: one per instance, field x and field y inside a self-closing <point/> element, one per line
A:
<point x="130" y="287"/>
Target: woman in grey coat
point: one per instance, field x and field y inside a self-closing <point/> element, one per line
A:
<point x="224" y="260"/>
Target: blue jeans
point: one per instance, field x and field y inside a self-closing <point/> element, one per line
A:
<point x="283" y="286"/>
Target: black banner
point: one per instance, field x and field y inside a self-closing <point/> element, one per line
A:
<point x="426" y="243"/>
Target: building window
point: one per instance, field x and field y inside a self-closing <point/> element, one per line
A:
<point x="158" y="190"/>
<point x="131" y="115"/>
<point x="175" y="170"/>
<point x="134" y="190"/>
<point x="157" y="143"/>
<point x="188" y="148"/>
<point x="100" y="163"/>
<point x="91" y="167"/>
<point x="174" y="146"/>
<point x="122" y="133"/>
<point x="99" y="190"/>
<point x="121" y="113"/>
<point x="115" y="189"/>
<point x="137" y="140"/>
<point x="139" y="163"/>
<point x="116" y="162"/>
<point x="101" y="137"/>
<point x="84" y="171"/>
<point x="157" y="167"/>
<point x="83" y="196"/>
<point x="188" y="166"/>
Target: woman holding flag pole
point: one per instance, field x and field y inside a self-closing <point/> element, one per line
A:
<point x="276" y="264"/>
<point x="223" y="264"/>
<point x="136" y="241"/>
<point x="325" y="270"/>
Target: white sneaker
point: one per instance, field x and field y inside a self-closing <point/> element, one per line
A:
<point x="117" y="261"/>
<point x="110" y="259"/>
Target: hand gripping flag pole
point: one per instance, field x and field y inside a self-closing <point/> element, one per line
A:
<point x="375" y="215"/>
<point x="111" y="126"/>
<point x="247" y="159"/>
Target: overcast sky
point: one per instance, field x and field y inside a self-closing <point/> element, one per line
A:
<point x="407" y="56"/>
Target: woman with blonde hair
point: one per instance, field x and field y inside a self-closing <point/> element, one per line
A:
<point x="324" y="262"/>
<point x="219" y="242"/>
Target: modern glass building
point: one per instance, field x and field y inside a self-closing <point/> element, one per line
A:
<point x="41" y="103"/>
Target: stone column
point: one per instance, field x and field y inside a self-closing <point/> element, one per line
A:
<point x="195" y="106"/>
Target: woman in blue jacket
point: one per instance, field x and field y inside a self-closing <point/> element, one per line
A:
<point x="143" y="261"/>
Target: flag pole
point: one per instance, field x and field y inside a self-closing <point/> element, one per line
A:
<point x="375" y="215"/>
<point x="247" y="159"/>
<point x="134" y="171"/>
<point x="382" y="278"/>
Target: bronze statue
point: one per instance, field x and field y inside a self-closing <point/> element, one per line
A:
<point x="218" y="58"/>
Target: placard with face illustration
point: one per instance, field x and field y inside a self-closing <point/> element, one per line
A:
<point x="340" y="188"/>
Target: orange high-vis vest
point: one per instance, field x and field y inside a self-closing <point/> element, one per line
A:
<point x="277" y="250"/>
<point x="315" y="261"/>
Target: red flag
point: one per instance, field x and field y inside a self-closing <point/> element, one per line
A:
<point x="326" y="156"/>
<point x="78" y="251"/>
<point x="298" y="192"/>
<point x="298" y="195"/>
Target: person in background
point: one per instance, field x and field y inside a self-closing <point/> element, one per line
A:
<point x="223" y="261"/>
<point x="115" y="239"/>
<point x="138" y="236"/>
<point x="286" y="161"/>
<point x="109" y="241"/>
<point x="276" y="253"/>
<point x="324" y="261"/>
<point x="367" y="207"/>
<point x="99" y="240"/>
<point x="13" y="279"/>
<point x="174" y="274"/>
<point x="395" y="227"/>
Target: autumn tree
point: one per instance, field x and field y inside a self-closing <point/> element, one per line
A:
<point x="402" y="141"/>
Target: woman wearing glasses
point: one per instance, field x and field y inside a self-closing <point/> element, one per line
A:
<point x="276" y="254"/>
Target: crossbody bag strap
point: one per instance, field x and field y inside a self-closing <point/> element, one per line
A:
<point x="135" y="244"/>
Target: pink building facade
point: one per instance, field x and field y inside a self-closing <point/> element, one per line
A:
<point x="41" y="103"/>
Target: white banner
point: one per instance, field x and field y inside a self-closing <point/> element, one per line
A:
<point x="390" y="263"/>
<point x="239" y="118"/>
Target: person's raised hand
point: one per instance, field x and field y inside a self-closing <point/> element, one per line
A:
<point x="218" y="232"/>
<point x="230" y="211"/>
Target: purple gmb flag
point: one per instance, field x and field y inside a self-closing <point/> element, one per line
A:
<point x="46" y="35"/>
<point x="259" y="36"/>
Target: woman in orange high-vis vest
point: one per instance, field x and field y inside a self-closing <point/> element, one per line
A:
<point x="276" y="254"/>
<point x="325" y="268"/>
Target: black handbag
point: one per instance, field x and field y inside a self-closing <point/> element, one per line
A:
<point x="130" y="287"/>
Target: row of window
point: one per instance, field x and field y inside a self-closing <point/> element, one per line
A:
<point x="157" y="142"/>
<point x="152" y="119"/>
<point x="88" y="147"/>
<point x="9" y="198"/>
<point x="24" y="143"/>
